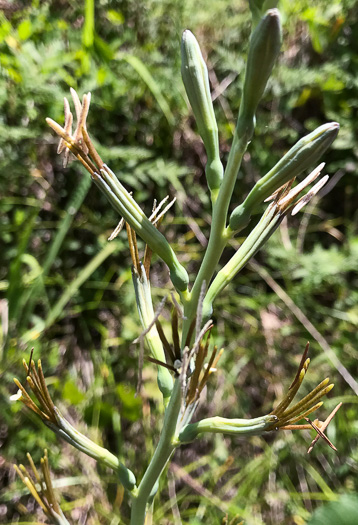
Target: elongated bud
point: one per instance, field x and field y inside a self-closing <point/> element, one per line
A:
<point x="258" y="7"/>
<point x="301" y="156"/>
<point x="265" y="45"/>
<point x="196" y="81"/>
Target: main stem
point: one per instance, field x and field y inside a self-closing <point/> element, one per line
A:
<point x="162" y="454"/>
<point x="217" y="242"/>
<point x="219" y="233"/>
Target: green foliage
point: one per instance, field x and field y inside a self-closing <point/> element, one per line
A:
<point x="342" y="512"/>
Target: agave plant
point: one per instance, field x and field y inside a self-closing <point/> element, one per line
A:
<point x="186" y="362"/>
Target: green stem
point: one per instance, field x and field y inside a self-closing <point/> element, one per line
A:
<point x="78" y="440"/>
<point x="257" y="238"/>
<point x="219" y="234"/>
<point x="162" y="454"/>
<point x="59" y="518"/>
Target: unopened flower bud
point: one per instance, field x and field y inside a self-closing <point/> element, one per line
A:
<point x="196" y="81"/>
<point x="259" y="7"/>
<point x="301" y="156"/>
<point x="265" y="45"/>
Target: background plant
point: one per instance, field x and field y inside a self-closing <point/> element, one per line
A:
<point x="319" y="277"/>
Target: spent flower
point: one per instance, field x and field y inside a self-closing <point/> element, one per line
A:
<point x="303" y="154"/>
<point x="41" y="489"/>
<point x="53" y="419"/>
<point x="287" y="418"/>
<point x="83" y="149"/>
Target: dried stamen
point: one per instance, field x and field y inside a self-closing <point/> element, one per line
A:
<point x="288" y="417"/>
<point x="43" y="493"/>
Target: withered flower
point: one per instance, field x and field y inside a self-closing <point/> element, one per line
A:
<point x="53" y="419"/>
<point x="287" y="418"/>
<point x="41" y="489"/>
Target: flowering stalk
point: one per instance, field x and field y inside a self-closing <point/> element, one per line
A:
<point x="186" y="363"/>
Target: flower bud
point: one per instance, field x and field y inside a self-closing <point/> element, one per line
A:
<point x="265" y="45"/>
<point x="258" y="7"/>
<point x="303" y="154"/>
<point x="196" y="81"/>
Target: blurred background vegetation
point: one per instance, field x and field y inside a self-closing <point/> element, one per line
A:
<point x="67" y="292"/>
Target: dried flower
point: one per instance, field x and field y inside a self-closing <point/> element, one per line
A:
<point x="301" y="156"/>
<point x="53" y="419"/>
<point x="287" y="418"/>
<point x="83" y="149"/>
<point x="41" y="489"/>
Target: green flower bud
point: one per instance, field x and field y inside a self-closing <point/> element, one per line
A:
<point x="301" y="156"/>
<point x="265" y="45"/>
<point x="258" y="7"/>
<point x="196" y="81"/>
